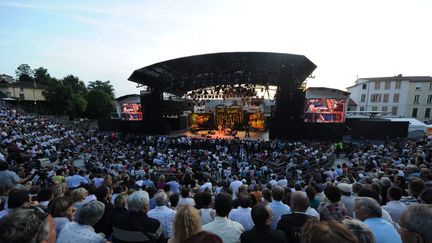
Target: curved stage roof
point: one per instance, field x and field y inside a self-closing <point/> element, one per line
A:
<point x="177" y="76"/>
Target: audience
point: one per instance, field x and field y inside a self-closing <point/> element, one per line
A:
<point x="415" y="224"/>
<point x="163" y="214"/>
<point x="329" y="231"/>
<point x="186" y="224"/>
<point x="278" y="208"/>
<point x="360" y="230"/>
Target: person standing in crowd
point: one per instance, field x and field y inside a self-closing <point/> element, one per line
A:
<point x="135" y="225"/>
<point x="292" y="223"/>
<point x="262" y="231"/>
<point x="368" y="210"/>
<point x="277" y="206"/>
<point x="229" y="231"/>
<point x="163" y="214"/>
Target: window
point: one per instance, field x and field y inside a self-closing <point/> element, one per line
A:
<point x="398" y="84"/>
<point x="374" y="108"/>
<point x="377" y="85"/>
<point x="385" y="98"/>
<point x="396" y="98"/>
<point x="416" y="98"/>
<point x="21" y="96"/>
<point x="394" y="110"/>
<point x="376" y="98"/>
<point x="414" y="113"/>
<point x="363" y="98"/>
<point x="362" y="108"/>
<point x="430" y="85"/>
<point x="418" y="86"/>
<point x="384" y="109"/>
<point x="429" y="99"/>
<point x="427" y="112"/>
<point x="387" y="84"/>
<point x="364" y="86"/>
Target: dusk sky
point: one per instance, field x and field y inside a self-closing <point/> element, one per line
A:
<point x="107" y="40"/>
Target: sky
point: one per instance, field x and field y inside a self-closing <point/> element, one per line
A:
<point x="108" y="40"/>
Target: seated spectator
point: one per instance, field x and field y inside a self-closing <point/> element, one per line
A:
<point x="426" y="196"/>
<point x="186" y="224"/>
<point x="292" y="223"/>
<point x="173" y="201"/>
<point x="103" y="195"/>
<point x="17" y="198"/>
<point x="44" y="196"/>
<point x="311" y="193"/>
<point x="262" y="231"/>
<point x="163" y="214"/>
<point x="82" y="230"/>
<point x="229" y="231"/>
<point x="27" y="225"/>
<point x="184" y="197"/>
<point x="242" y="213"/>
<point x="394" y="207"/>
<point x="207" y="214"/>
<point x="346" y="197"/>
<point x="368" y="192"/>
<point x="415" y="224"/>
<point x="360" y="230"/>
<point x="415" y="188"/>
<point x="78" y="196"/>
<point x="369" y="211"/>
<point x="203" y="237"/>
<point x="329" y="231"/>
<point x="62" y="211"/>
<point x="277" y="207"/>
<point x="334" y="209"/>
<point x="135" y="225"/>
<point x="9" y="178"/>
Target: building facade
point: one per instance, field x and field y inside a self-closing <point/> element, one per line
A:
<point x="23" y="91"/>
<point x="398" y="96"/>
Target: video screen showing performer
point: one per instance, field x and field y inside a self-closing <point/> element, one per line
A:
<point x="324" y="110"/>
<point x="132" y="112"/>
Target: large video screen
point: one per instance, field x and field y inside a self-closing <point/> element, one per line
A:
<point x="201" y="120"/>
<point x="257" y="120"/>
<point x="324" y="110"/>
<point x="132" y="112"/>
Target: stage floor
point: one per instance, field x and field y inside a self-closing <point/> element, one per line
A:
<point x="254" y="135"/>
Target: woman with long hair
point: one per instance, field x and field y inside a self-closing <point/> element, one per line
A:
<point x="186" y="223"/>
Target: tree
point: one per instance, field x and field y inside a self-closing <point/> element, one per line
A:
<point x="41" y="76"/>
<point x="76" y="85"/>
<point x="24" y="73"/>
<point x="99" y="104"/>
<point x="105" y="87"/>
<point x="60" y="96"/>
<point x="77" y="106"/>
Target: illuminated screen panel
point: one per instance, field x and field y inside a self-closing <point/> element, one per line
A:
<point x="257" y="120"/>
<point x="202" y="120"/>
<point x="132" y="112"/>
<point x="324" y="110"/>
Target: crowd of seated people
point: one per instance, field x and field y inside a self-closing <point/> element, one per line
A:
<point x="103" y="188"/>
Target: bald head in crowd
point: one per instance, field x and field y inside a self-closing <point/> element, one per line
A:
<point x="299" y="202"/>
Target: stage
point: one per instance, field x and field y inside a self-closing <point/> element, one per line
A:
<point x="254" y="135"/>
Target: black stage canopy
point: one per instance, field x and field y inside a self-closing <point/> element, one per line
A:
<point x="177" y="76"/>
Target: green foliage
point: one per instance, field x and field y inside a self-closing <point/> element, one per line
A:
<point x="105" y="87"/>
<point x="99" y="104"/>
<point x="24" y="73"/>
<point x="41" y="76"/>
<point x="76" y="85"/>
<point x="77" y="106"/>
<point x="60" y="96"/>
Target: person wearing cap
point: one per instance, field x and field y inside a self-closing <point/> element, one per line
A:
<point x="346" y="197"/>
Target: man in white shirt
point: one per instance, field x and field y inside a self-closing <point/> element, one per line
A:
<point x="229" y="231"/>
<point x="184" y="197"/>
<point x="242" y="213"/>
<point x="394" y="207"/>
<point x="234" y="186"/>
